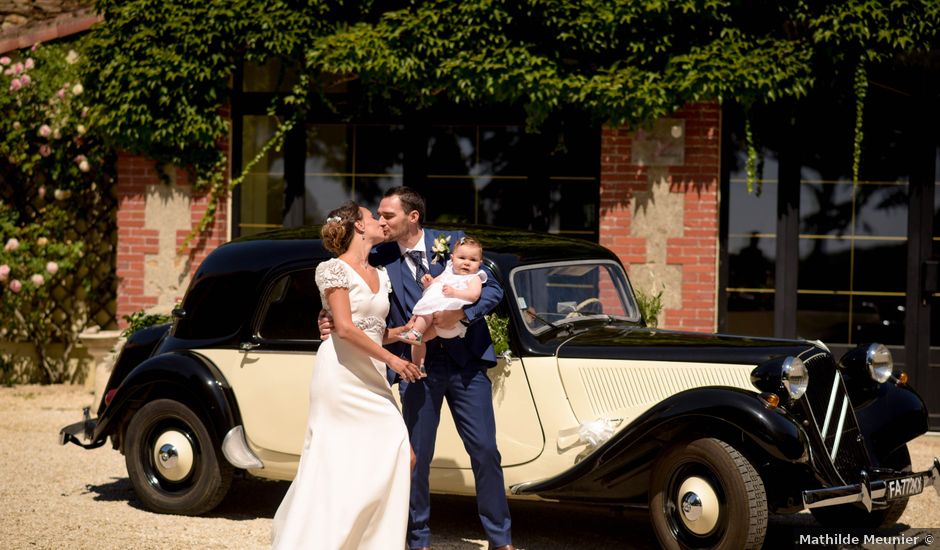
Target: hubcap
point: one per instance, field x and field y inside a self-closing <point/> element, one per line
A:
<point x="699" y="506"/>
<point x="173" y="455"/>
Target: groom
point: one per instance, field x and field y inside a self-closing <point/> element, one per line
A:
<point x="456" y="368"/>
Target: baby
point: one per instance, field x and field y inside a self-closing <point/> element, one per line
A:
<point x="458" y="285"/>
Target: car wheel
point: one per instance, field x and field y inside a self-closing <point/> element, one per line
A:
<point x="850" y="515"/>
<point x="173" y="462"/>
<point x="706" y="494"/>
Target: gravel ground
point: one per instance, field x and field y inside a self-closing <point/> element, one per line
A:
<point x="66" y="497"/>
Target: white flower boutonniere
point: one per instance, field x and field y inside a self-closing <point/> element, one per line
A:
<point x="440" y="247"/>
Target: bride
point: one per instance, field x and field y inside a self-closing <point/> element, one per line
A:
<point x="353" y="482"/>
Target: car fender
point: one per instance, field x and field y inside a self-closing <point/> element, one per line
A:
<point x="895" y="416"/>
<point x="610" y="472"/>
<point x="182" y="375"/>
<point x="139" y="347"/>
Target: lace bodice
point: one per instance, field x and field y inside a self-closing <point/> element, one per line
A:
<point x="368" y="308"/>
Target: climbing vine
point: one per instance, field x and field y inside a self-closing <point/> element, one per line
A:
<point x="161" y="71"/>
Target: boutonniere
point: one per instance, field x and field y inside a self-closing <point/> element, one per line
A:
<point x="440" y="247"/>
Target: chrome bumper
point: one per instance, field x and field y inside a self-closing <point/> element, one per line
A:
<point x="85" y="429"/>
<point x="870" y="493"/>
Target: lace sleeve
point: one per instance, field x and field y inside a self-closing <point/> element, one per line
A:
<point x="330" y="274"/>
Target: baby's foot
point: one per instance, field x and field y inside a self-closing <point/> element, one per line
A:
<point x="410" y="336"/>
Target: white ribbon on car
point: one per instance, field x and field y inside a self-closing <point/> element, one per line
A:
<point x="592" y="434"/>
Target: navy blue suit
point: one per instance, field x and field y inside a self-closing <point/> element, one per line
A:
<point x="456" y="370"/>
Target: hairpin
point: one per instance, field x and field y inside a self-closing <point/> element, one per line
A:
<point x="334" y="219"/>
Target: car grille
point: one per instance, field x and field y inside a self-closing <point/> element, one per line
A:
<point x="837" y="435"/>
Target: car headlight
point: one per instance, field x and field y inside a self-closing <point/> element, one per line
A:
<point x="874" y="360"/>
<point x="785" y="376"/>
<point x="880" y="363"/>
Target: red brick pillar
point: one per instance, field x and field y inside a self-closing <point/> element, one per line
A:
<point x="630" y="189"/>
<point x="141" y="252"/>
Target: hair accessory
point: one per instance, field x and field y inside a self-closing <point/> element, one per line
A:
<point x="334" y="219"/>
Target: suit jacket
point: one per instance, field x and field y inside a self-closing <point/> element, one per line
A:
<point x="475" y="349"/>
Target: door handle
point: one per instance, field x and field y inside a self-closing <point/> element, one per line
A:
<point x="248" y="346"/>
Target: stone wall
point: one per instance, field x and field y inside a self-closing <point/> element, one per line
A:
<point x="18" y="13"/>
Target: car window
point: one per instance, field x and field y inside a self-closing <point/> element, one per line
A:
<point x="291" y="308"/>
<point x="568" y="291"/>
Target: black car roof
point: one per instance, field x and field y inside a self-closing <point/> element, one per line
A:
<point x="506" y="248"/>
<point x="223" y="292"/>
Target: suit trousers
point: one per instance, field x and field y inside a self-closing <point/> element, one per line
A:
<point x="468" y="392"/>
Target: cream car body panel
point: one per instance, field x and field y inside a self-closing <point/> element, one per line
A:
<point x="624" y="389"/>
<point x="273" y="394"/>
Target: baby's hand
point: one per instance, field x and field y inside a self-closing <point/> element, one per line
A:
<point x="427" y="279"/>
<point x="447" y="290"/>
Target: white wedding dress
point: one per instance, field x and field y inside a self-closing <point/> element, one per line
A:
<point x="353" y="482"/>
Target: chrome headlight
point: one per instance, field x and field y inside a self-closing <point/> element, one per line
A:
<point x="880" y="363"/>
<point x="871" y="362"/>
<point x="786" y="377"/>
<point x="795" y="377"/>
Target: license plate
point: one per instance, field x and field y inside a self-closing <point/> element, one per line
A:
<point x="905" y="486"/>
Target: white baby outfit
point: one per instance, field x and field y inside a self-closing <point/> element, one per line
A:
<point x="433" y="299"/>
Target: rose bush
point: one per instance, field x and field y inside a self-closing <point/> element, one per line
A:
<point x="55" y="206"/>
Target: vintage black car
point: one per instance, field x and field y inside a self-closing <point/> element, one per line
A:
<point x="711" y="432"/>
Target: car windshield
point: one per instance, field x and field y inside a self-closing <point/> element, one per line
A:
<point x="549" y="294"/>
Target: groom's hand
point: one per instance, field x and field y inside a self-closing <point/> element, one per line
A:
<point x="448" y="317"/>
<point x="325" y="324"/>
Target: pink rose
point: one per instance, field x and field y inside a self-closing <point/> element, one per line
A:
<point x="45" y="131"/>
<point x="15" y="84"/>
<point x="61" y="93"/>
<point x="11" y="245"/>
<point x="25" y="80"/>
<point x="29" y="63"/>
<point x="37" y="279"/>
<point x="16" y="286"/>
<point x="18" y="68"/>
<point x="45" y="150"/>
<point x="5" y="60"/>
<point x="4" y="272"/>
<point x="41" y="191"/>
<point x="52" y="268"/>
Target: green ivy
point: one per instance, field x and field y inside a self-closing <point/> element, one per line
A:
<point x="160" y="71"/>
<point x="141" y="320"/>
<point x="499" y="332"/>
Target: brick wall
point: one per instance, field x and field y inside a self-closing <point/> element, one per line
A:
<point x="676" y="246"/>
<point x="146" y="259"/>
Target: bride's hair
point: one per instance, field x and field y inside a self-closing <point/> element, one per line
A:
<point x="339" y="228"/>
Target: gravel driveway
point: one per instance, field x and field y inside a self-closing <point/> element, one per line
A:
<point x="66" y="497"/>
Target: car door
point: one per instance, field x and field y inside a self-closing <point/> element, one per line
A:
<point x="271" y="378"/>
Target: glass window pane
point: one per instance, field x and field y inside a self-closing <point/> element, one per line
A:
<point x="935" y="299"/>
<point x="452" y="151"/>
<point x="292" y="308"/>
<point x="880" y="266"/>
<point x="750" y="313"/>
<point x="823" y="317"/>
<point x="824" y="264"/>
<point x="272" y="76"/>
<point x="752" y="212"/>
<point x="379" y="149"/>
<point x="881" y="210"/>
<point x="751" y="261"/>
<point x="502" y="152"/>
<point x="369" y="190"/>
<point x="262" y="191"/>
<point x="825" y="207"/>
<point x="450" y="199"/>
<point x="327" y="167"/>
<point x="878" y="319"/>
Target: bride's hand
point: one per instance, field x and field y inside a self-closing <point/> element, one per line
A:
<point x="408" y="370"/>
